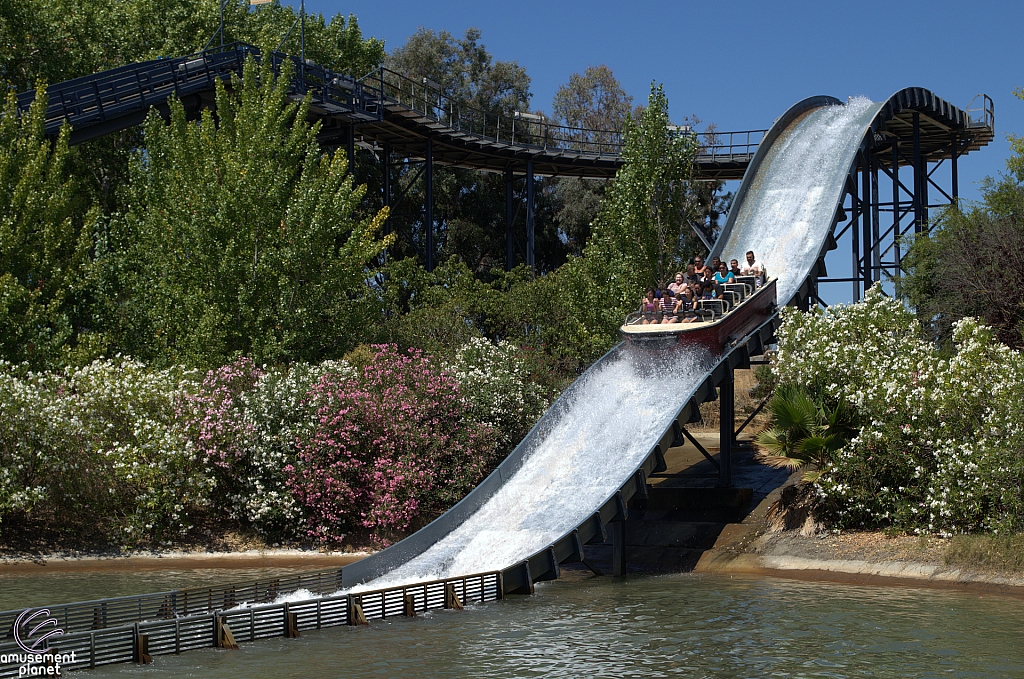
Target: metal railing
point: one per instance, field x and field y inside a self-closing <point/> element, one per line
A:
<point x="113" y="612"/>
<point x="131" y="90"/>
<point x="167" y="632"/>
<point x="983" y="115"/>
<point x="105" y="96"/>
<point x="518" y="128"/>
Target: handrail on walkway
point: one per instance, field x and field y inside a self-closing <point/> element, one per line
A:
<point x="522" y="128"/>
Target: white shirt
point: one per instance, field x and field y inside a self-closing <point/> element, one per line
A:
<point x="753" y="269"/>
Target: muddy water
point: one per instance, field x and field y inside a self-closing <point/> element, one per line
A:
<point x="20" y="589"/>
<point x="653" y="626"/>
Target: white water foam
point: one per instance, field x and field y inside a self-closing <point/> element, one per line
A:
<point x="592" y="445"/>
<point x="787" y="211"/>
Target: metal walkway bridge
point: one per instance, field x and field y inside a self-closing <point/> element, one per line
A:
<point x="381" y="109"/>
<point x="393" y="115"/>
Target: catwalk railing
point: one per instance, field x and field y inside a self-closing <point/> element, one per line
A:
<point x="527" y="129"/>
<point x="149" y="625"/>
<point x="111" y="95"/>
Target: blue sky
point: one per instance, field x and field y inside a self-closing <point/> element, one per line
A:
<point x="742" y="64"/>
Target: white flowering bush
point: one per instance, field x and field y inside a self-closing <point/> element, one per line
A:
<point x="134" y="454"/>
<point x="281" y="412"/>
<point x="495" y="384"/>
<point x="940" y="443"/>
<point x="96" y="448"/>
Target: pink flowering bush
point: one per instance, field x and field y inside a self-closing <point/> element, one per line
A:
<point x="211" y="419"/>
<point x="391" y="445"/>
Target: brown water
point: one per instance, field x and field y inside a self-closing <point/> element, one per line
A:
<point x="24" y="589"/>
<point x="654" y="626"/>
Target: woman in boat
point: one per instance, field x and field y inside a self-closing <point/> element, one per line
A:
<point x="677" y="285"/>
<point x="686" y="306"/>
<point x="649" y="307"/>
<point x="723" y="275"/>
<point x="699" y="269"/>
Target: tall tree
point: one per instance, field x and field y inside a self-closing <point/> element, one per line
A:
<point x="649" y="210"/>
<point x="594" y="105"/>
<point x="469" y="206"/>
<point x="43" y="243"/>
<point x="239" y="239"/>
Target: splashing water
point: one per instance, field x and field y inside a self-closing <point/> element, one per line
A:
<point x="787" y="212"/>
<point x="593" y="442"/>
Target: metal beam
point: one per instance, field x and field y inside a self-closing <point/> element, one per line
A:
<point x="530" y="239"/>
<point x="727" y="422"/>
<point x="386" y="185"/>
<point x="428" y="210"/>
<point x="510" y="246"/>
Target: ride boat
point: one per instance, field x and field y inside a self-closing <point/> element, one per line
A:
<point x="739" y="308"/>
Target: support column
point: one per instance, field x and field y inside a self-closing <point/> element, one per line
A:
<point x="896" y="205"/>
<point x="350" y="148"/>
<point x="920" y="178"/>
<point x="876" y="247"/>
<point x="428" y="210"/>
<point x="855" y="221"/>
<point x="954" y="155"/>
<point x="510" y="244"/>
<point x="865" y="217"/>
<point x="726" y="427"/>
<point x="386" y="185"/>
<point x="530" y="241"/>
<point x="617" y="530"/>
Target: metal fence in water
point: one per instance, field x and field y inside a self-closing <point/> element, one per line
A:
<point x="151" y="625"/>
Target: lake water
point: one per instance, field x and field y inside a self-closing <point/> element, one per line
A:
<point x="652" y="626"/>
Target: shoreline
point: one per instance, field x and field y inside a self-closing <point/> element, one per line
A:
<point x="252" y="558"/>
<point x="853" y="557"/>
<point x="859" y="572"/>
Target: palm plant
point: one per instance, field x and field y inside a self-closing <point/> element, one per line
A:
<point x="804" y="431"/>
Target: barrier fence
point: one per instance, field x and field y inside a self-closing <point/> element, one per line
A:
<point x="160" y="629"/>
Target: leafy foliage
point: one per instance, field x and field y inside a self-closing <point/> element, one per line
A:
<point x="939" y="444"/>
<point x="646" y="216"/>
<point x="803" y="431"/>
<point x="43" y="243"/>
<point x="239" y="239"/>
<point x="386" y="449"/>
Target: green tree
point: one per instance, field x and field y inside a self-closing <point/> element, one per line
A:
<point x="43" y="246"/>
<point x="239" y="239"/>
<point x="649" y="210"/>
<point x="594" y="104"/>
<point x="972" y="264"/>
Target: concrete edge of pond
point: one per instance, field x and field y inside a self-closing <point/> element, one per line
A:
<point x="271" y="558"/>
<point x="748" y="548"/>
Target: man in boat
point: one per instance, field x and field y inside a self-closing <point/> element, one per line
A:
<point x="753" y="268"/>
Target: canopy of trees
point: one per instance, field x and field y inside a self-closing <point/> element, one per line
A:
<point x="972" y="265"/>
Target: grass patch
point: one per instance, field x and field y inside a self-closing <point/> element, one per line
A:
<point x="986" y="552"/>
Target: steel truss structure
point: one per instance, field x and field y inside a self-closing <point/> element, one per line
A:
<point x="906" y="173"/>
